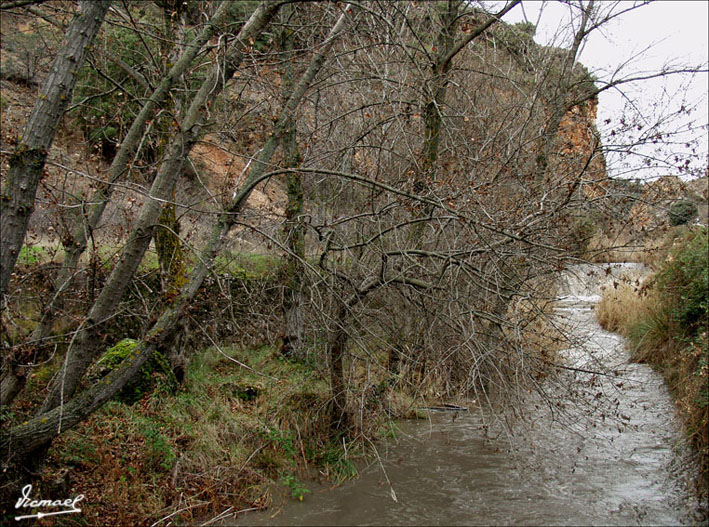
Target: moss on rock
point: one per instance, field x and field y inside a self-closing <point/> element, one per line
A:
<point x="155" y="371"/>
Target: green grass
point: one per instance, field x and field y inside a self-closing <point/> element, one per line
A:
<point x="208" y="440"/>
<point x="248" y="265"/>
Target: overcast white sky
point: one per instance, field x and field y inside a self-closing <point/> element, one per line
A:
<point x="645" y="39"/>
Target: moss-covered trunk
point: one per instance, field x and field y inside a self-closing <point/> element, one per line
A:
<point x="168" y="244"/>
<point x="293" y="230"/>
<point x="171" y="258"/>
<point x="435" y="94"/>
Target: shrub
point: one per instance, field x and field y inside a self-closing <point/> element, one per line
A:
<point x="682" y="212"/>
<point x="685" y="281"/>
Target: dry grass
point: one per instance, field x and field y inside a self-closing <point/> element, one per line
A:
<point x="609" y="247"/>
<point x="691" y="391"/>
<point x="638" y="314"/>
<point x="621" y="307"/>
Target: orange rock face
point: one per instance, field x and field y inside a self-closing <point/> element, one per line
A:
<point x="579" y="145"/>
<point x="224" y="173"/>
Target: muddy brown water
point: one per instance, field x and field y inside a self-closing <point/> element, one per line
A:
<point x="600" y="447"/>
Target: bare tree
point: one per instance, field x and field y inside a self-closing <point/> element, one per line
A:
<point x="51" y="422"/>
<point x="27" y="161"/>
<point x="83" y="347"/>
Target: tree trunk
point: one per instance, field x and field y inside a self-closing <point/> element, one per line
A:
<point x="28" y="157"/>
<point x="171" y="258"/>
<point x="168" y="245"/>
<point x="22" y="440"/>
<point x="294" y="232"/>
<point x="11" y="381"/>
<point x="435" y="93"/>
<point x="88" y="338"/>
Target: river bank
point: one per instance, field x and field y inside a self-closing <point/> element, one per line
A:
<point x="599" y="444"/>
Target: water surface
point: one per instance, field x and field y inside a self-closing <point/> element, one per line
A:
<point x="600" y="446"/>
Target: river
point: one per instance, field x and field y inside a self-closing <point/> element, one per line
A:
<point x="599" y="448"/>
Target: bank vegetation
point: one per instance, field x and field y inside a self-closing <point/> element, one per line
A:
<point x="239" y="238"/>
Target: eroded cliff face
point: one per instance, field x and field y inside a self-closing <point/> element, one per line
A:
<point x="219" y="164"/>
<point x="224" y="170"/>
<point x="578" y="155"/>
<point x="580" y="146"/>
<point x="529" y="94"/>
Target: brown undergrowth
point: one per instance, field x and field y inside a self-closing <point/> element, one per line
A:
<point x="245" y="423"/>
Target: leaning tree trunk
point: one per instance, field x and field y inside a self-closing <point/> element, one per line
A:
<point x="22" y="440"/>
<point x="119" y="166"/>
<point x="82" y="350"/>
<point x="28" y="157"/>
<point x="11" y="381"/>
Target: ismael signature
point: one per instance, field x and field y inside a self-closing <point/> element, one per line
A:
<point x="26" y="502"/>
